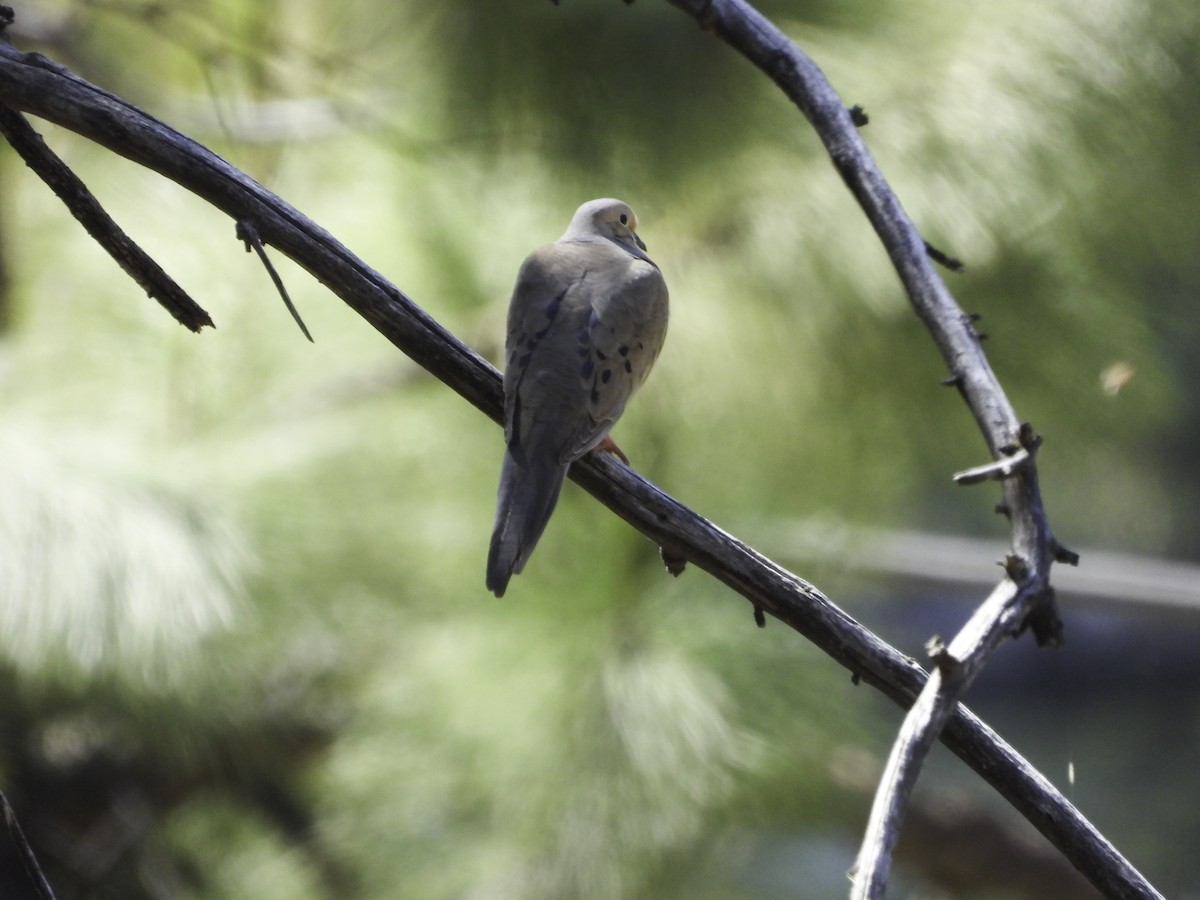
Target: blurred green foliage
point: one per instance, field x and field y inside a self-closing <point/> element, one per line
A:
<point x="246" y="646"/>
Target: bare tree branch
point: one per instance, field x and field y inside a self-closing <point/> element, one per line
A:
<point x="752" y="35"/>
<point x="34" y="84"/>
<point x="955" y="668"/>
<point x="1026" y="595"/>
<point x="87" y="209"/>
<point x="31" y="83"/>
<point x="33" y="872"/>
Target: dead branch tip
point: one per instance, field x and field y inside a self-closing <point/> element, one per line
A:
<point x="997" y="470"/>
<point x="942" y="259"/>
<point x="941" y="655"/>
<point x="248" y="235"/>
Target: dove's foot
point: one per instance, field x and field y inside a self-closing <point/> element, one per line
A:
<point x="609" y="446"/>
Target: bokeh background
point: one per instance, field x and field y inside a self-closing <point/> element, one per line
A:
<point x="245" y="646"/>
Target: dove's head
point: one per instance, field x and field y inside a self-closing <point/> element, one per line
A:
<point x="607" y="218"/>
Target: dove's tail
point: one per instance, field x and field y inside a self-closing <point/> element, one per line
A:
<point x="528" y="492"/>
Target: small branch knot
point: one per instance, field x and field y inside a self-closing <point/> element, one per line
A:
<point x="1029" y="438"/>
<point x="969" y="321"/>
<point x="941" y="655"/>
<point x="941" y="258"/>
<point x="1065" y="555"/>
<point x="674" y="563"/>
<point x="1015" y="567"/>
<point x="1044" y="622"/>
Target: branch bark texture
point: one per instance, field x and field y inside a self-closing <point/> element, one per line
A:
<point x="30" y="83"/>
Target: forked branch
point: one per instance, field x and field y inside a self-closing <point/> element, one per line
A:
<point x="32" y="84"/>
<point x="1024" y="597"/>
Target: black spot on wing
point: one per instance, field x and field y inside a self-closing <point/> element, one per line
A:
<point x="531" y="340"/>
<point x="515" y="439"/>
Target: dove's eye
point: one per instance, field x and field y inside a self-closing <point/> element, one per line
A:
<point x="624" y="219"/>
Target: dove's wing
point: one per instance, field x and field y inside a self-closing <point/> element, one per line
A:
<point x="618" y="344"/>
<point x="587" y="322"/>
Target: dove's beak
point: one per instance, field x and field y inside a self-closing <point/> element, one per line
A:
<point x="639" y="241"/>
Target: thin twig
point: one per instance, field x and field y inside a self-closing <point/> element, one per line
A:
<point x="943" y="259"/>
<point x="99" y="224"/>
<point x="29" y="82"/>
<point x="993" y="471"/>
<point x="248" y="234"/>
<point x="28" y="859"/>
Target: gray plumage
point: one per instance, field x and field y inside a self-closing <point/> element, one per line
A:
<point x="587" y="320"/>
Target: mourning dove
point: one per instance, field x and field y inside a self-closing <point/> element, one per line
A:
<point x="587" y="319"/>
